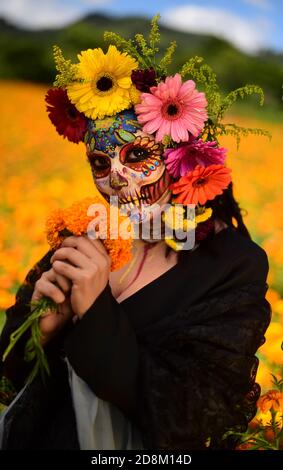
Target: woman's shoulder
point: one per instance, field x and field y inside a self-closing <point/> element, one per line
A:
<point x="238" y="244"/>
<point x="241" y="253"/>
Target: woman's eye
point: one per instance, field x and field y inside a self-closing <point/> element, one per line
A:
<point x="137" y="154"/>
<point x="100" y="163"/>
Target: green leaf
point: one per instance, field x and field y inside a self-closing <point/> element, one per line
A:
<point x="33" y="350"/>
<point x="124" y="136"/>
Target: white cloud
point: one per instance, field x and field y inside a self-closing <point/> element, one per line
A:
<point x="45" y="13"/>
<point x="245" y="33"/>
<point x="262" y="4"/>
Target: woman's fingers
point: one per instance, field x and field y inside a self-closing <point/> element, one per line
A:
<point x="63" y="282"/>
<point x="81" y="253"/>
<point x="73" y="256"/>
<point x="86" y="263"/>
<point x="44" y="287"/>
<point x="66" y="269"/>
<point x="85" y="245"/>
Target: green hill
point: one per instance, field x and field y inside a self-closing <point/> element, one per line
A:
<point x="27" y="55"/>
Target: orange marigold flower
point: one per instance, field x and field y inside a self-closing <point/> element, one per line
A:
<point x="75" y="221"/>
<point x="244" y="446"/>
<point x="269" y="433"/>
<point x="76" y="218"/>
<point x="201" y="184"/>
<point x="272" y="399"/>
<point x="54" y="225"/>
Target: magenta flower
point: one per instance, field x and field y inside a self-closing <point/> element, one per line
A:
<point x="184" y="158"/>
<point x="173" y="108"/>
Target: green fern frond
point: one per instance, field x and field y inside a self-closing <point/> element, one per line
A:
<point x="145" y="50"/>
<point x="205" y="77"/>
<point x="119" y="41"/>
<point x="141" y="42"/>
<point x="129" y="46"/>
<point x="66" y="70"/>
<point x="147" y="56"/>
<point x="154" y="34"/>
<point x="242" y="92"/>
<point x="167" y="59"/>
<point x="202" y="73"/>
<point x="239" y="131"/>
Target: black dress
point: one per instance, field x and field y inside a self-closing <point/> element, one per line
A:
<point x="177" y="357"/>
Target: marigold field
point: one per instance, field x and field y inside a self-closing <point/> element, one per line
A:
<point x="40" y="171"/>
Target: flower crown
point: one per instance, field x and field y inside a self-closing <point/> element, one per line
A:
<point x="188" y="122"/>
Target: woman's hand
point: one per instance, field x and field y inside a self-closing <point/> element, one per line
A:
<point x="53" y="320"/>
<point x="86" y="264"/>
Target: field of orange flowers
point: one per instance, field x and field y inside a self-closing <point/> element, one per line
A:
<point x="40" y="171"/>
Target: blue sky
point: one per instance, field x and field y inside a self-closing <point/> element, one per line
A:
<point x="249" y="24"/>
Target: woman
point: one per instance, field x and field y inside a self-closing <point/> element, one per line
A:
<point x="161" y="353"/>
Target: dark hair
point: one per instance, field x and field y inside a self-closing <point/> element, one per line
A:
<point x="227" y="209"/>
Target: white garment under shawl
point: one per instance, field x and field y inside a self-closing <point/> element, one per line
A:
<point x="100" y="424"/>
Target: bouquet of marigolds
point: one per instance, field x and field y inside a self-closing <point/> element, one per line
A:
<point x="76" y="220"/>
<point x="265" y="431"/>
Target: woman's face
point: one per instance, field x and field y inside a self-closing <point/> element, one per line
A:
<point x="127" y="163"/>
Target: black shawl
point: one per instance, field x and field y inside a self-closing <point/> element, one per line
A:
<point x="184" y="378"/>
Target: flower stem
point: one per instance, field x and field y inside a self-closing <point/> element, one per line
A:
<point x="33" y="349"/>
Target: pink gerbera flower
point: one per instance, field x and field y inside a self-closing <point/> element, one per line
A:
<point x="184" y="158"/>
<point x="173" y="108"/>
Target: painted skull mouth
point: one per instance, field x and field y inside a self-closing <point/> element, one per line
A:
<point x="149" y="193"/>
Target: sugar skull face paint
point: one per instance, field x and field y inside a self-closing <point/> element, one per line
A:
<point x="126" y="162"/>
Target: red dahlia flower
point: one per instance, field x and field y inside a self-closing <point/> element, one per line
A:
<point x="68" y="121"/>
<point x="144" y="79"/>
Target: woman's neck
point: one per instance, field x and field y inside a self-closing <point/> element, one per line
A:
<point x="148" y="262"/>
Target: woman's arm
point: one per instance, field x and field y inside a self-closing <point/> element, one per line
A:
<point x="14" y="370"/>
<point x="72" y="276"/>
<point x="184" y="380"/>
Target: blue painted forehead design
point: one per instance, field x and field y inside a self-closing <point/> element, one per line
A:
<point x="105" y="134"/>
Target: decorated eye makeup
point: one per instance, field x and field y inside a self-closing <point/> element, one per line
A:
<point x="136" y="154"/>
<point x="100" y="164"/>
<point x="144" y="154"/>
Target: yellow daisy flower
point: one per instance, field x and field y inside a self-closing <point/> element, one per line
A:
<point x="104" y="86"/>
<point x="135" y="95"/>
